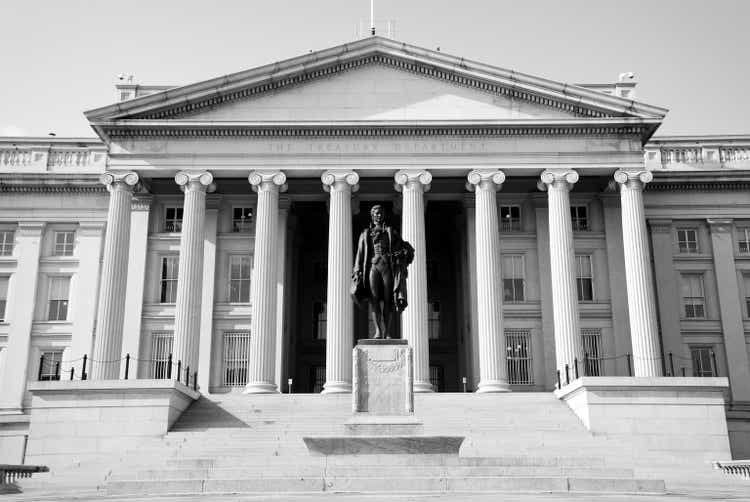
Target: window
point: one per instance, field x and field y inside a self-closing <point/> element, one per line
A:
<point x="743" y="240"/>
<point x="703" y="361"/>
<point x="239" y="279"/>
<point x="236" y="357"/>
<point x="50" y="365"/>
<point x="580" y="217"/>
<point x="318" y="378"/>
<point x="746" y="280"/>
<point x="58" y="298"/>
<point x="173" y="219"/>
<point x="437" y="378"/>
<point x="687" y="240"/>
<point x="518" y="347"/>
<point x="510" y="218"/>
<point x="584" y="278"/>
<point x="513" y="278"/>
<point x="3" y="296"/>
<point x="433" y="320"/>
<point x="169" y="268"/>
<point x="7" y="238"/>
<point x="242" y="219"/>
<point x="591" y="340"/>
<point x="161" y="349"/>
<point x="693" y="296"/>
<point x="64" y="242"/>
<point x="319" y="322"/>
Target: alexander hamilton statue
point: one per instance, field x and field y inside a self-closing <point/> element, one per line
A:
<point x="380" y="268"/>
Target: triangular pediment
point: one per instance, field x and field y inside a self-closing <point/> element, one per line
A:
<point x="374" y="79"/>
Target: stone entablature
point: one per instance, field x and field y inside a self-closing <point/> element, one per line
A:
<point x="64" y="155"/>
<point x="698" y="152"/>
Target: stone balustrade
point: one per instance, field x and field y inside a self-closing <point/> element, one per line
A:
<point x="34" y="155"/>
<point x="698" y="152"/>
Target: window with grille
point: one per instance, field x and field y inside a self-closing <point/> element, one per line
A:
<point x="580" y="218"/>
<point x="173" y="219"/>
<point x="437" y="378"/>
<point x="591" y="340"/>
<point x="3" y="296"/>
<point x="59" y="290"/>
<point x="319" y="322"/>
<point x="510" y="218"/>
<point x="236" y="357"/>
<point x="50" y="361"/>
<point x="318" y="378"/>
<point x="513" y="278"/>
<point x="242" y="219"/>
<point x="693" y="296"/>
<point x="518" y="347"/>
<point x="64" y="243"/>
<point x="743" y="240"/>
<point x="168" y="286"/>
<point x="687" y="240"/>
<point x="703" y="361"/>
<point x="584" y="278"/>
<point x="7" y="239"/>
<point x="239" y="279"/>
<point x="433" y="320"/>
<point x="161" y="348"/>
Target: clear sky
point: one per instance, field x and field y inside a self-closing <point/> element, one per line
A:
<point x="61" y="57"/>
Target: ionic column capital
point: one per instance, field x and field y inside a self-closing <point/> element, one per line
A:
<point x="412" y="179"/>
<point x="202" y="181"/>
<point x="125" y="181"/>
<point x="558" y="178"/>
<point x="338" y="179"/>
<point x="633" y="179"/>
<point x="266" y="181"/>
<point x="485" y="179"/>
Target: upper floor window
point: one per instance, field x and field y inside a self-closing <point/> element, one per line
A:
<point x="743" y="240"/>
<point x="580" y="218"/>
<point x="7" y="239"/>
<point x="242" y="219"/>
<point x="693" y="296"/>
<point x="746" y="281"/>
<point x="703" y="361"/>
<point x="64" y="243"/>
<point x="173" y="219"/>
<point x="584" y="278"/>
<point x="513" y="278"/>
<point x="59" y="291"/>
<point x="510" y="218"/>
<point x="239" y="279"/>
<point x="169" y="268"/>
<point x="687" y="240"/>
<point x="50" y="365"/>
<point x="3" y="296"/>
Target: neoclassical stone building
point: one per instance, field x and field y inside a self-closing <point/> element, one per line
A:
<point x="213" y="225"/>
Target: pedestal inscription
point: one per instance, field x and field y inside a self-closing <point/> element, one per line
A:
<point x="383" y="378"/>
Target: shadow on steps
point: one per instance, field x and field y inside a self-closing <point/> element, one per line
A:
<point x="219" y="418"/>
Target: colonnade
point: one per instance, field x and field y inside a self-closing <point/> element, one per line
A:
<point x="340" y="184"/>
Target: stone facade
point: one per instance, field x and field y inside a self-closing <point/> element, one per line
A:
<point x="581" y="240"/>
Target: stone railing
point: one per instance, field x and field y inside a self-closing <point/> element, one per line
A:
<point x="698" y="152"/>
<point x="739" y="468"/>
<point x="41" y="154"/>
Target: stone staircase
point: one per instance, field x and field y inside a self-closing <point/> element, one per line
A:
<point x="518" y="442"/>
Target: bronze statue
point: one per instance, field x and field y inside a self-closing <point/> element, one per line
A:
<point x="380" y="268"/>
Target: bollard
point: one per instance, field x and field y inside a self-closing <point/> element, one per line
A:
<point x="463" y="381"/>
<point x="41" y="366"/>
<point x="169" y="366"/>
<point x="72" y="373"/>
<point x="567" y="375"/>
<point x="179" y="370"/>
<point x="683" y="371"/>
<point x="575" y="364"/>
<point x="559" y="383"/>
<point x="630" y="367"/>
<point x="127" y="365"/>
<point x="83" y="368"/>
<point x="187" y="376"/>
<point x="671" y="365"/>
<point x="195" y="381"/>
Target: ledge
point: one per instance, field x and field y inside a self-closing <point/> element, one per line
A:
<point x="57" y="386"/>
<point x="644" y="383"/>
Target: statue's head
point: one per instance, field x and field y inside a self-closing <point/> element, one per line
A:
<point x="377" y="214"/>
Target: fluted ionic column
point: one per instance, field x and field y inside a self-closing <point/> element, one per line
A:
<point x="493" y="371"/>
<point x="413" y="184"/>
<point x="644" y="332"/>
<point x="558" y="183"/>
<point x="187" y="315"/>
<point x="261" y="375"/>
<point x="340" y="308"/>
<point x="111" y="308"/>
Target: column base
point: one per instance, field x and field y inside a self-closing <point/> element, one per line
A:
<point x="261" y="388"/>
<point x="337" y="387"/>
<point x="423" y="387"/>
<point x="493" y="386"/>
